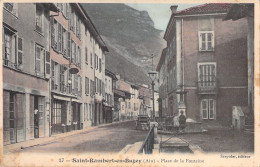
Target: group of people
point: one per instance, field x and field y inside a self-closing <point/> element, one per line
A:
<point x="179" y="122"/>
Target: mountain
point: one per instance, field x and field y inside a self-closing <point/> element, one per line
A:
<point x="131" y="39"/>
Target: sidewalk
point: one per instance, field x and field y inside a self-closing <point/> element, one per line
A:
<point x="11" y="148"/>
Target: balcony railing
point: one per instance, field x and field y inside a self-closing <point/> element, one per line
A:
<point x="207" y="87"/>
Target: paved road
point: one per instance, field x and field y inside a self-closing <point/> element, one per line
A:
<point x="111" y="138"/>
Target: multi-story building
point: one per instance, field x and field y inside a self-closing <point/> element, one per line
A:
<point x="134" y="102"/>
<point x="145" y="95"/>
<point x="206" y="63"/>
<point x="26" y="70"/>
<point x="94" y="89"/>
<point x="77" y="54"/>
<point x="120" y="97"/>
<point x="162" y="84"/>
<point x="110" y="80"/>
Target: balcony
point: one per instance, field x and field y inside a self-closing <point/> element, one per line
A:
<point x="207" y="87"/>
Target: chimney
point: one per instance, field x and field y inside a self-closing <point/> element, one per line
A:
<point x="174" y="8"/>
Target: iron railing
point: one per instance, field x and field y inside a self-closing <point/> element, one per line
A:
<point x="147" y="146"/>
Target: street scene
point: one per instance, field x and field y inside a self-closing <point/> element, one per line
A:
<point x="128" y="78"/>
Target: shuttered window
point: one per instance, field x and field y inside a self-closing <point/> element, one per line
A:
<point x="208" y="109"/>
<point x="39" y="60"/>
<point x="206" y="41"/>
<point x="20" y="52"/>
<point x="47" y="64"/>
<point x="86" y="85"/>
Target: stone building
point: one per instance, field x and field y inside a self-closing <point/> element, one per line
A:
<point x="75" y="44"/>
<point x="206" y="66"/>
<point x="26" y="71"/>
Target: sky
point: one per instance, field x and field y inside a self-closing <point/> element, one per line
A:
<point x="159" y="13"/>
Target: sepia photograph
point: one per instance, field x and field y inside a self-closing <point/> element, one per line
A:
<point x="121" y="84"/>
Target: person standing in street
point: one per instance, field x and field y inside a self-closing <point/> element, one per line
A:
<point x="182" y="121"/>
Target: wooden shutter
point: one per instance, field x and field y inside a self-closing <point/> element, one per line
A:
<point x="69" y="46"/>
<point x="20" y="52"/>
<point x="204" y="109"/>
<point x="212" y="109"/>
<point x="80" y="86"/>
<point x="38" y="59"/>
<point x="212" y="40"/>
<point x="47" y="64"/>
<point x="79" y="29"/>
<point x="59" y="37"/>
<point x="41" y="115"/>
<point x="52" y="32"/>
<point x="79" y="50"/>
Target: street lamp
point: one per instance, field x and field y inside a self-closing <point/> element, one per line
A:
<point x="153" y="75"/>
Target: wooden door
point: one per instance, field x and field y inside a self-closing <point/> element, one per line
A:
<point x="41" y="115"/>
<point x="20" y="118"/>
<point x="32" y="117"/>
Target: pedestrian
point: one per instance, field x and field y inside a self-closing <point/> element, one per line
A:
<point x="182" y="121"/>
<point x="176" y="123"/>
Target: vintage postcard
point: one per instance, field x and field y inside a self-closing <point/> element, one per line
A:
<point x="127" y="83"/>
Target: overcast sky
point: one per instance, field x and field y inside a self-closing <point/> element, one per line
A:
<point x="159" y="13"/>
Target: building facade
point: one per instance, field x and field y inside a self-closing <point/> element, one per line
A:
<point x="26" y="57"/>
<point x="53" y="70"/>
<point x="109" y="108"/>
<point x="206" y="63"/>
<point x="75" y="44"/>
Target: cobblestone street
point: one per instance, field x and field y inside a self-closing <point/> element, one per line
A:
<point x="111" y="138"/>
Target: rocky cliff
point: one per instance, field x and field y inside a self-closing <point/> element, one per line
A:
<point x="131" y="38"/>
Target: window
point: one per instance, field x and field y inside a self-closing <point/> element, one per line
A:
<point x="100" y="65"/>
<point x="78" y="27"/>
<point x="206" y="41"/>
<point x="73" y="52"/>
<point x="123" y="107"/>
<point x="86" y="55"/>
<point x="63" y="86"/>
<point x="86" y="85"/>
<point x="64" y="40"/>
<point x="91" y="60"/>
<point x="79" y="57"/>
<point x="207" y="74"/>
<point x="10" y="45"/>
<point x="96" y="85"/>
<point x="72" y="21"/>
<point x="39" y="18"/>
<point x="100" y="87"/>
<point x="11" y="7"/>
<point x="39" y="60"/>
<point x="129" y="105"/>
<point x="208" y="109"/>
<point x="56" y="113"/>
<point x="76" y="84"/>
<point x="90" y="112"/>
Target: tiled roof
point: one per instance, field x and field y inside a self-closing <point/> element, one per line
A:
<point x="205" y="9"/>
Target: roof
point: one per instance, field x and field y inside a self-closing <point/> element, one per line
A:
<point x="162" y="58"/>
<point x="238" y="11"/>
<point x="205" y="9"/>
<point x="91" y="26"/>
<point x="111" y="74"/>
<point x="208" y="8"/>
